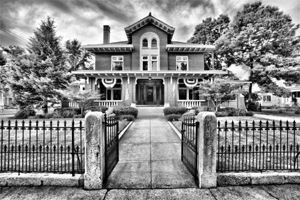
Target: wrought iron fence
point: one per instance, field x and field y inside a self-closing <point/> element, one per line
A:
<point x="47" y="146"/>
<point x="258" y="146"/>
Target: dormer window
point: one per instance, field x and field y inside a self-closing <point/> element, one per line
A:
<point x="145" y="43"/>
<point x="154" y="43"/>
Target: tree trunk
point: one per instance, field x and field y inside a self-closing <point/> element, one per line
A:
<point x="250" y="92"/>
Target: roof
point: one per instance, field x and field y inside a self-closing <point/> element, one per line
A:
<point x="149" y="20"/>
<point x="111" y="47"/>
<point x="185" y="47"/>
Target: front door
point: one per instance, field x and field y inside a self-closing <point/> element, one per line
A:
<point x="149" y="92"/>
<point x="150" y="95"/>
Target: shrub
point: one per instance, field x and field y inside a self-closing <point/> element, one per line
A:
<point x="297" y="112"/>
<point x="173" y="117"/>
<point x="25" y="113"/>
<point x="126" y="110"/>
<point x="253" y="106"/>
<point x="221" y="114"/>
<point x="96" y="108"/>
<point x="49" y="116"/>
<point x="175" y="110"/>
<point x="249" y="113"/>
<point x="127" y="117"/>
<point x="66" y="112"/>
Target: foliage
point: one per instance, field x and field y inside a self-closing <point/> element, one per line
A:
<point x="208" y="32"/>
<point x="25" y="113"/>
<point x="232" y="112"/>
<point x="297" y="112"/>
<point x="261" y="40"/>
<point x="34" y="77"/>
<point x="127" y="117"/>
<point x="254" y="106"/>
<point x="125" y="110"/>
<point x="175" y="110"/>
<point x="2" y="58"/>
<point x="97" y="108"/>
<point x="65" y="112"/>
<point x="173" y="117"/>
<point x="219" y="91"/>
<point x="77" y="57"/>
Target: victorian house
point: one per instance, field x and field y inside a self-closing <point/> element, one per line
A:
<point x="147" y="69"/>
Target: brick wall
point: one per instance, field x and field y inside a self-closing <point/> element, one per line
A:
<point x="103" y="61"/>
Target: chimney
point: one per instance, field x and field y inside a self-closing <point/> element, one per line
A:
<point x="106" y="34"/>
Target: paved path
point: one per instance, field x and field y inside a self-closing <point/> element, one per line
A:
<point x="150" y="155"/>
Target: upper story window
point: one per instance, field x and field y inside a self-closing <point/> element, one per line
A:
<point x="154" y="43"/>
<point x="145" y="43"/>
<point x="182" y="63"/>
<point x="117" y="63"/>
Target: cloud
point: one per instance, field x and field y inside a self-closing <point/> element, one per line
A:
<point x="84" y="19"/>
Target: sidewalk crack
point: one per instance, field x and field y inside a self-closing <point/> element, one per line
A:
<point x="270" y="194"/>
<point x="212" y="194"/>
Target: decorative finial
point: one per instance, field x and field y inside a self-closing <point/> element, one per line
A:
<point x="149" y="13"/>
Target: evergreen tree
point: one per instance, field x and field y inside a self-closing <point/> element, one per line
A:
<point x="261" y="39"/>
<point x="77" y="57"/>
<point x="35" y="76"/>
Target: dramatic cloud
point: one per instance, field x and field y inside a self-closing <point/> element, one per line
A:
<point x="84" y="19"/>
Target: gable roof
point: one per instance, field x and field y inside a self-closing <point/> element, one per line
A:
<point x="149" y="20"/>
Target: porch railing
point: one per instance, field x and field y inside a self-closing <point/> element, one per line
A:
<point x="109" y="103"/>
<point x="190" y="103"/>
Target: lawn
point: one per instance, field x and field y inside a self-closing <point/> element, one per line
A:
<point x="257" y="145"/>
<point x="46" y="148"/>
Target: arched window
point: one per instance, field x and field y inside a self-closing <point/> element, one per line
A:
<point x="145" y="42"/>
<point x="154" y="43"/>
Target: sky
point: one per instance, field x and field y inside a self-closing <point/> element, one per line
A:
<point x="84" y="19"/>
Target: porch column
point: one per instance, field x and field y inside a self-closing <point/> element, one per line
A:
<point x="159" y="94"/>
<point x="145" y="93"/>
<point x="154" y="94"/>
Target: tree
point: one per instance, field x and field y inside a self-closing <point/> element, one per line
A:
<point x="219" y="91"/>
<point x="208" y="32"/>
<point x="35" y="76"/>
<point x="73" y="93"/>
<point x="261" y="39"/>
<point x="77" y="57"/>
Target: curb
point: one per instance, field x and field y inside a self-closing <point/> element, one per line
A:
<point x="175" y="130"/>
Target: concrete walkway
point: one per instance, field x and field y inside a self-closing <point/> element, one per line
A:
<point x="150" y="155"/>
<point x="262" y="192"/>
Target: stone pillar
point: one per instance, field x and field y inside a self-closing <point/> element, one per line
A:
<point x="94" y="151"/>
<point x="207" y="150"/>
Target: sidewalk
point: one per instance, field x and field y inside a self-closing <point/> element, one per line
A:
<point x="150" y="154"/>
<point x="263" y="192"/>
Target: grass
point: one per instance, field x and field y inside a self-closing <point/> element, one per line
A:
<point x="43" y="149"/>
<point x="255" y="148"/>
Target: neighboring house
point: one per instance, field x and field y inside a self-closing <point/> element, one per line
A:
<point x="270" y="100"/>
<point x="147" y="69"/>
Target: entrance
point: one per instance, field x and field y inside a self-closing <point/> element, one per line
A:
<point x="149" y="92"/>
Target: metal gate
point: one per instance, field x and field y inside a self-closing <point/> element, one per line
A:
<point x="111" y="137"/>
<point x="189" y="150"/>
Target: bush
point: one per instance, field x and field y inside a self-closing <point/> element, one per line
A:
<point x="297" y="112"/>
<point x="127" y="117"/>
<point x="253" y="106"/>
<point x="96" y="108"/>
<point x="25" y="113"/>
<point x="221" y="114"/>
<point x="249" y="113"/>
<point x="173" y="117"/>
<point x="66" y="112"/>
<point x="126" y="110"/>
<point x="175" y="110"/>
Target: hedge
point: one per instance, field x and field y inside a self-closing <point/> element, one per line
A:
<point x="125" y="110"/>
<point x="127" y="117"/>
<point x="173" y="117"/>
<point x="175" y="110"/>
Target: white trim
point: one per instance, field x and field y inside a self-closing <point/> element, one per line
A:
<point x="108" y="46"/>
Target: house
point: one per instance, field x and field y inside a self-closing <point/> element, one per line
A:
<point x="149" y="68"/>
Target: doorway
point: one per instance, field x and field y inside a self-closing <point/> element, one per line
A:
<point x="149" y="92"/>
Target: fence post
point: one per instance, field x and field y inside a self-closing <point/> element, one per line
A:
<point x="207" y="150"/>
<point x="94" y="151"/>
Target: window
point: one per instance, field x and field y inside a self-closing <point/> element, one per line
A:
<point x="145" y="63"/>
<point x="154" y="43"/>
<point x="114" y="93"/>
<point x="296" y="94"/>
<point x="154" y="63"/>
<point x="185" y="93"/>
<point x="267" y="98"/>
<point x="117" y="63"/>
<point x="181" y="63"/>
<point x="145" y="42"/>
